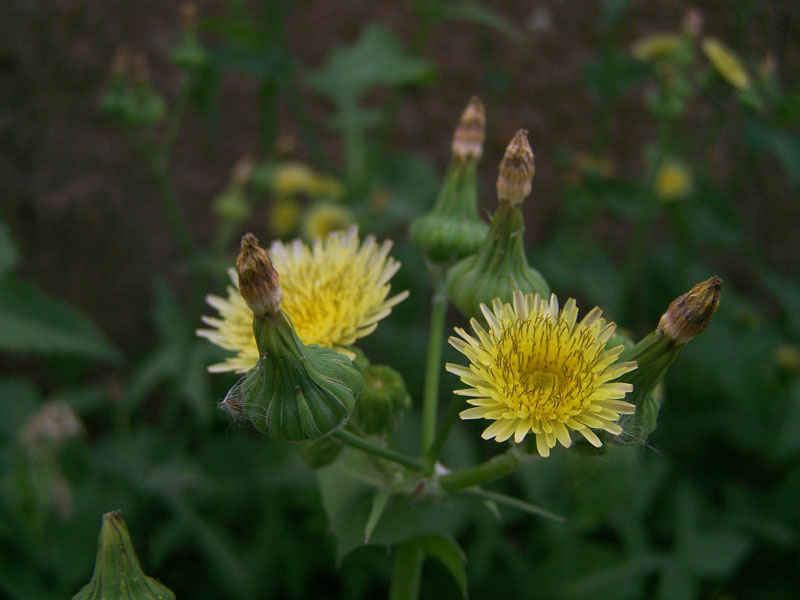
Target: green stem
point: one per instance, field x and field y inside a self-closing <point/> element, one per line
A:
<point x="450" y="418"/>
<point x="407" y="571"/>
<point x="433" y="368"/>
<point x="353" y="440"/>
<point x="494" y="468"/>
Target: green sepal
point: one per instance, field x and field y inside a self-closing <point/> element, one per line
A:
<point x="117" y="572"/>
<point x="452" y="229"/>
<point x="295" y="392"/>
<point x="497" y="269"/>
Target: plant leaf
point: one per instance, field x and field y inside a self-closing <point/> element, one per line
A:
<point x="447" y="551"/>
<point x="378" y="504"/>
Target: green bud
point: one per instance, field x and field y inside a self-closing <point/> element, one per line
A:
<point x="687" y="316"/>
<point x="320" y="452"/>
<point x="383" y="401"/>
<point x="452" y="229"/>
<point x="117" y="572"/>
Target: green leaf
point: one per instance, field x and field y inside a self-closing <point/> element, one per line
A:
<point x="480" y="15"/>
<point x="8" y="251"/>
<point x="32" y="321"/>
<point x="714" y="553"/>
<point x="445" y="549"/>
<point x="378" y="504"/>
<point x="376" y="58"/>
<point x="514" y="503"/>
<point x="18" y="400"/>
<point x="407" y="570"/>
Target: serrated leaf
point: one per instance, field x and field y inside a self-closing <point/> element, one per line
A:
<point x="32" y="321"/>
<point x="378" y="504"/>
<point x="445" y="549"/>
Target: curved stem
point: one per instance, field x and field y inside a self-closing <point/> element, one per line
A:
<point x="353" y="440"/>
<point x="494" y="468"/>
<point x="433" y="368"/>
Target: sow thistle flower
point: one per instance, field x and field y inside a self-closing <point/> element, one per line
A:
<point x="538" y="370"/>
<point x="335" y="292"/>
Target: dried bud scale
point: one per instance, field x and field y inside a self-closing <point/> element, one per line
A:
<point x="258" y="280"/>
<point x="690" y="314"/>
<point x="470" y="132"/>
<point x="516" y="170"/>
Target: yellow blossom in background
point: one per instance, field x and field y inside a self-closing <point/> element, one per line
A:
<point x="284" y="215"/>
<point x="726" y="62"/>
<point x="335" y="292"/>
<point x="293" y="178"/>
<point x="657" y="46"/>
<point x="673" y="180"/>
<point x="536" y="370"/>
<point x="324" y="218"/>
<point x="599" y="166"/>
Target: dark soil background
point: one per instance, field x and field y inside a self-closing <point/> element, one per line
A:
<point x="84" y="209"/>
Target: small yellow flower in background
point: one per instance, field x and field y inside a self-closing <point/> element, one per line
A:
<point x="284" y="215"/>
<point x="673" y="180"/>
<point x="335" y="293"/>
<point x="657" y="46"/>
<point x="536" y="371"/>
<point x="726" y="62"/>
<point x="324" y="218"/>
<point x="293" y="178"/>
<point x="599" y="166"/>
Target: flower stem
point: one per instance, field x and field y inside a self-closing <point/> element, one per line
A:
<point x="433" y="368"/>
<point x="407" y="571"/>
<point x="450" y="418"/>
<point x="353" y="440"/>
<point x="496" y="467"/>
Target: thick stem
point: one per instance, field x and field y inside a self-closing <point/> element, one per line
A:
<point x="353" y="440"/>
<point x="496" y="467"/>
<point x="433" y="369"/>
<point x="407" y="571"/>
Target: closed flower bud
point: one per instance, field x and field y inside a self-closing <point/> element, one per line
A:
<point x="295" y="392"/>
<point x="516" y="170"/>
<point x="117" y="572"/>
<point x="258" y="281"/>
<point x="689" y="315"/>
<point x="452" y="229"/>
<point x="500" y="267"/>
<point x="383" y="401"/>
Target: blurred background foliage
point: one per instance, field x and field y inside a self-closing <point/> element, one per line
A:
<point x="139" y="141"/>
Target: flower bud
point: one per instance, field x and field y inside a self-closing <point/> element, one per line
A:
<point x="452" y="228"/>
<point x="383" y="401"/>
<point x="258" y="281"/>
<point x="516" y="170"/>
<point x="689" y="315"/>
<point x="117" y="572"/>
<point x="499" y="267"/>
<point x="295" y="392"/>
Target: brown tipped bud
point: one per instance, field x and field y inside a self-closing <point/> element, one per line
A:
<point x="258" y="280"/>
<point x="188" y="12"/>
<point x="516" y="170"/>
<point x="693" y="21"/>
<point x="689" y="315"/>
<point x="470" y="132"/>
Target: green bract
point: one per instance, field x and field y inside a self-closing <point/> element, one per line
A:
<point x="383" y="401"/>
<point x="117" y="572"/>
<point x="295" y="392"/>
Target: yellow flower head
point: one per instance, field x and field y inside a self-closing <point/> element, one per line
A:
<point x="727" y="63"/>
<point x="335" y="292"/>
<point x="657" y="46"/>
<point x="537" y="370"/>
<point x="284" y="216"/>
<point x="292" y="178"/>
<point x="673" y="180"/>
<point x="324" y="218"/>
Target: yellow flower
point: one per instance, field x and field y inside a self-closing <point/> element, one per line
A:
<point x="324" y="218"/>
<point x="536" y="370"/>
<point x="657" y="46"/>
<point x="335" y="293"/>
<point x="673" y="180"/>
<point x="727" y="63"/>
<point x="284" y="216"/>
<point x="292" y="178"/>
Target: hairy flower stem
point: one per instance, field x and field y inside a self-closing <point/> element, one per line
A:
<point x="433" y="368"/>
<point x="356" y="442"/>
<point x="494" y="468"/>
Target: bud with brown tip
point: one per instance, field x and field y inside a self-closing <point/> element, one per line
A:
<point x="258" y="280"/>
<point x="516" y="170"/>
<point x="471" y="132"/>
<point x="689" y="315"/>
